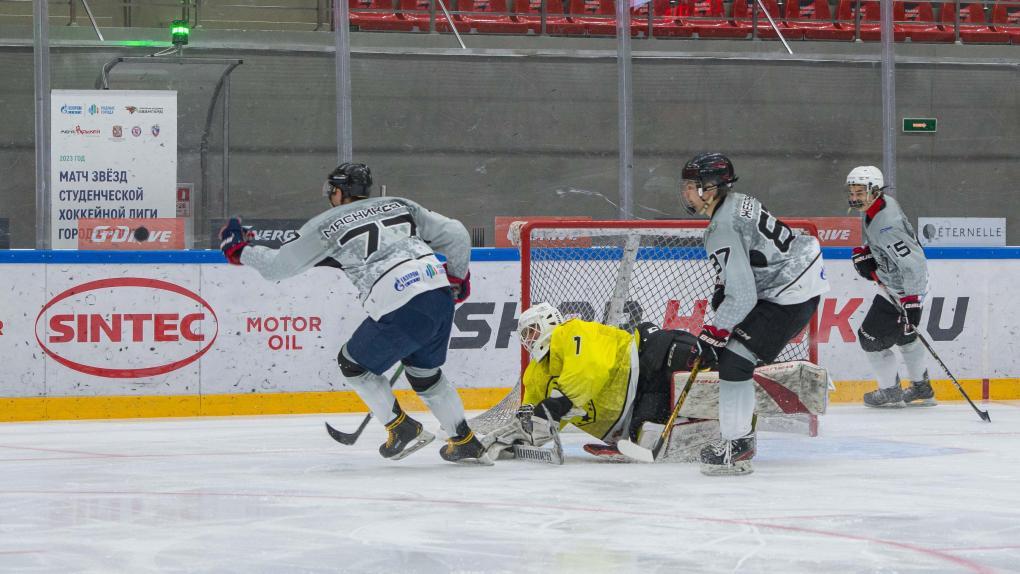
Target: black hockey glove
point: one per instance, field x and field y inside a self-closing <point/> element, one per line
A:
<point x="718" y="295"/>
<point x="233" y="239"/>
<point x="912" y="308"/>
<point x="864" y="262"/>
<point x="710" y="342"/>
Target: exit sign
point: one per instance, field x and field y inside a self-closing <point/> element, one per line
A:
<point x="919" y="125"/>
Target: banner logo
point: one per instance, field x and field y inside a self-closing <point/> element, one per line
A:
<point x="126" y="327"/>
<point x="70" y="110"/>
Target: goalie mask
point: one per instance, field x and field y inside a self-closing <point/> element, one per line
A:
<point x="354" y="180"/>
<point x="535" y="328"/>
<point x="706" y="172"/>
<point x="870" y="179"/>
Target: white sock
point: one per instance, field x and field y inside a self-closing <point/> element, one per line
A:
<point x="736" y="408"/>
<point x="444" y="402"/>
<point x="375" y="391"/>
<point x="883" y="364"/>
<point x="913" y="356"/>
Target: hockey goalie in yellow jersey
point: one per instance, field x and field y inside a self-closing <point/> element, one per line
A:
<point x="603" y="380"/>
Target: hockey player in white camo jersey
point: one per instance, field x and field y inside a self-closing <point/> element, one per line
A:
<point x="387" y="247"/>
<point x="768" y="282"/>
<point x="891" y="255"/>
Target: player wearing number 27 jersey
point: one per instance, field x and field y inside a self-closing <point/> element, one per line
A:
<point x="387" y="247"/>
<point x="768" y="282"/>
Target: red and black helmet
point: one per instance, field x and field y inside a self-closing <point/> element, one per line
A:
<point x="710" y="170"/>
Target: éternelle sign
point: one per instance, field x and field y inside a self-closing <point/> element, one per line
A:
<point x="126" y="327"/>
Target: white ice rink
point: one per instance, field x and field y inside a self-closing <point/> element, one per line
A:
<point x="917" y="490"/>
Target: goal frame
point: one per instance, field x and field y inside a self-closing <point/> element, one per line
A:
<point x="525" y="250"/>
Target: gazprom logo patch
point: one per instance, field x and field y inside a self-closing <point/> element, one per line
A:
<point x="404" y="281"/>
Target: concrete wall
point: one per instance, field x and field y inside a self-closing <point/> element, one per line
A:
<point x="532" y="129"/>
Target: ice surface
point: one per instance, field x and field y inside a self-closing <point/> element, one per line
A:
<point x="916" y="490"/>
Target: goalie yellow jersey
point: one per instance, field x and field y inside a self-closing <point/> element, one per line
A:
<point x="590" y="364"/>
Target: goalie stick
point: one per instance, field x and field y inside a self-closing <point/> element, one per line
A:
<point x="351" y="438"/>
<point x="924" y="341"/>
<point x="643" y="454"/>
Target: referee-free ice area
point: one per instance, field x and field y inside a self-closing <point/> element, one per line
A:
<point x="914" y="490"/>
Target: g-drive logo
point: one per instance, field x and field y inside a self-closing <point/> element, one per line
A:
<point x="126" y="327"/>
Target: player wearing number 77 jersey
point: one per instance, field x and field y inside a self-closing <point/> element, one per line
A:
<point x="387" y="247"/>
<point x="892" y="255"/>
<point x="768" y="282"/>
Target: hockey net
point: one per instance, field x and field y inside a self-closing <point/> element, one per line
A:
<point x="622" y="273"/>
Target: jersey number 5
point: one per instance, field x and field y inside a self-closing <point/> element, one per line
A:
<point x="778" y="232"/>
<point x="372" y="230"/>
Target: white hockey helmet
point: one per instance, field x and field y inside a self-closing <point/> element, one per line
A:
<point x="868" y="176"/>
<point x="535" y="328"/>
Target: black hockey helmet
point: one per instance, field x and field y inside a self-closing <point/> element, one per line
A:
<point x="354" y="180"/>
<point x="710" y="170"/>
<point x="707" y="170"/>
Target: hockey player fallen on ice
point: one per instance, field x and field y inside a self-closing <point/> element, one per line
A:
<point x="768" y="282"/>
<point x="385" y="247"/>
<point x="603" y="380"/>
<point x="891" y="255"/>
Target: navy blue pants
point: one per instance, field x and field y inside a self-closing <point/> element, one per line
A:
<point x="417" y="334"/>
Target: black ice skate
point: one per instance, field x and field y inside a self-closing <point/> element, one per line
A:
<point x="888" y="398"/>
<point x="731" y="457"/>
<point x="406" y="435"/>
<point x="920" y="393"/>
<point x="465" y="448"/>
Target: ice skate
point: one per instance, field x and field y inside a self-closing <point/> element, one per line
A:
<point x="730" y="458"/>
<point x="920" y="393"/>
<point x="887" y="398"/>
<point x="406" y="435"/>
<point x="465" y="448"/>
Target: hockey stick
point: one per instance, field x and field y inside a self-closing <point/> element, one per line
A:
<point x="983" y="414"/>
<point x="643" y="454"/>
<point x="351" y="438"/>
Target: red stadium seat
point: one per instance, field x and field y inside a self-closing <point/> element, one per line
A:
<point x="377" y="15"/>
<point x="595" y="16"/>
<point x="871" y="15"/>
<point x="708" y="19"/>
<point x="973" y="27"/>
<point x="813" y="20"/>
<point x="528" y="12"/>
<point x="666" y="21"/>
<point x="743" y="14"/>
<point x="1006" y="18"/>
<point x="491" y="17"/>
<point x="918" y="22"/>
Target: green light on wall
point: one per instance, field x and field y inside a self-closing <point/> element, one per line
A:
<point x="179" y="32"/>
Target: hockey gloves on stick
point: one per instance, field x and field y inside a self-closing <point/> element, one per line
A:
<point x="710" y="342"/>
<point x="461" y="287"/>
<point x="912" y="309"/>
<point x="864" y="262"/>
<point x="233" y="240"/>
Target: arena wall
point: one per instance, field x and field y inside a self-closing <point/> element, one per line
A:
<point x="113" y="335"/>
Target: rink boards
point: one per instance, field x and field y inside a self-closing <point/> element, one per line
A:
<point x="128" y="335"/>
